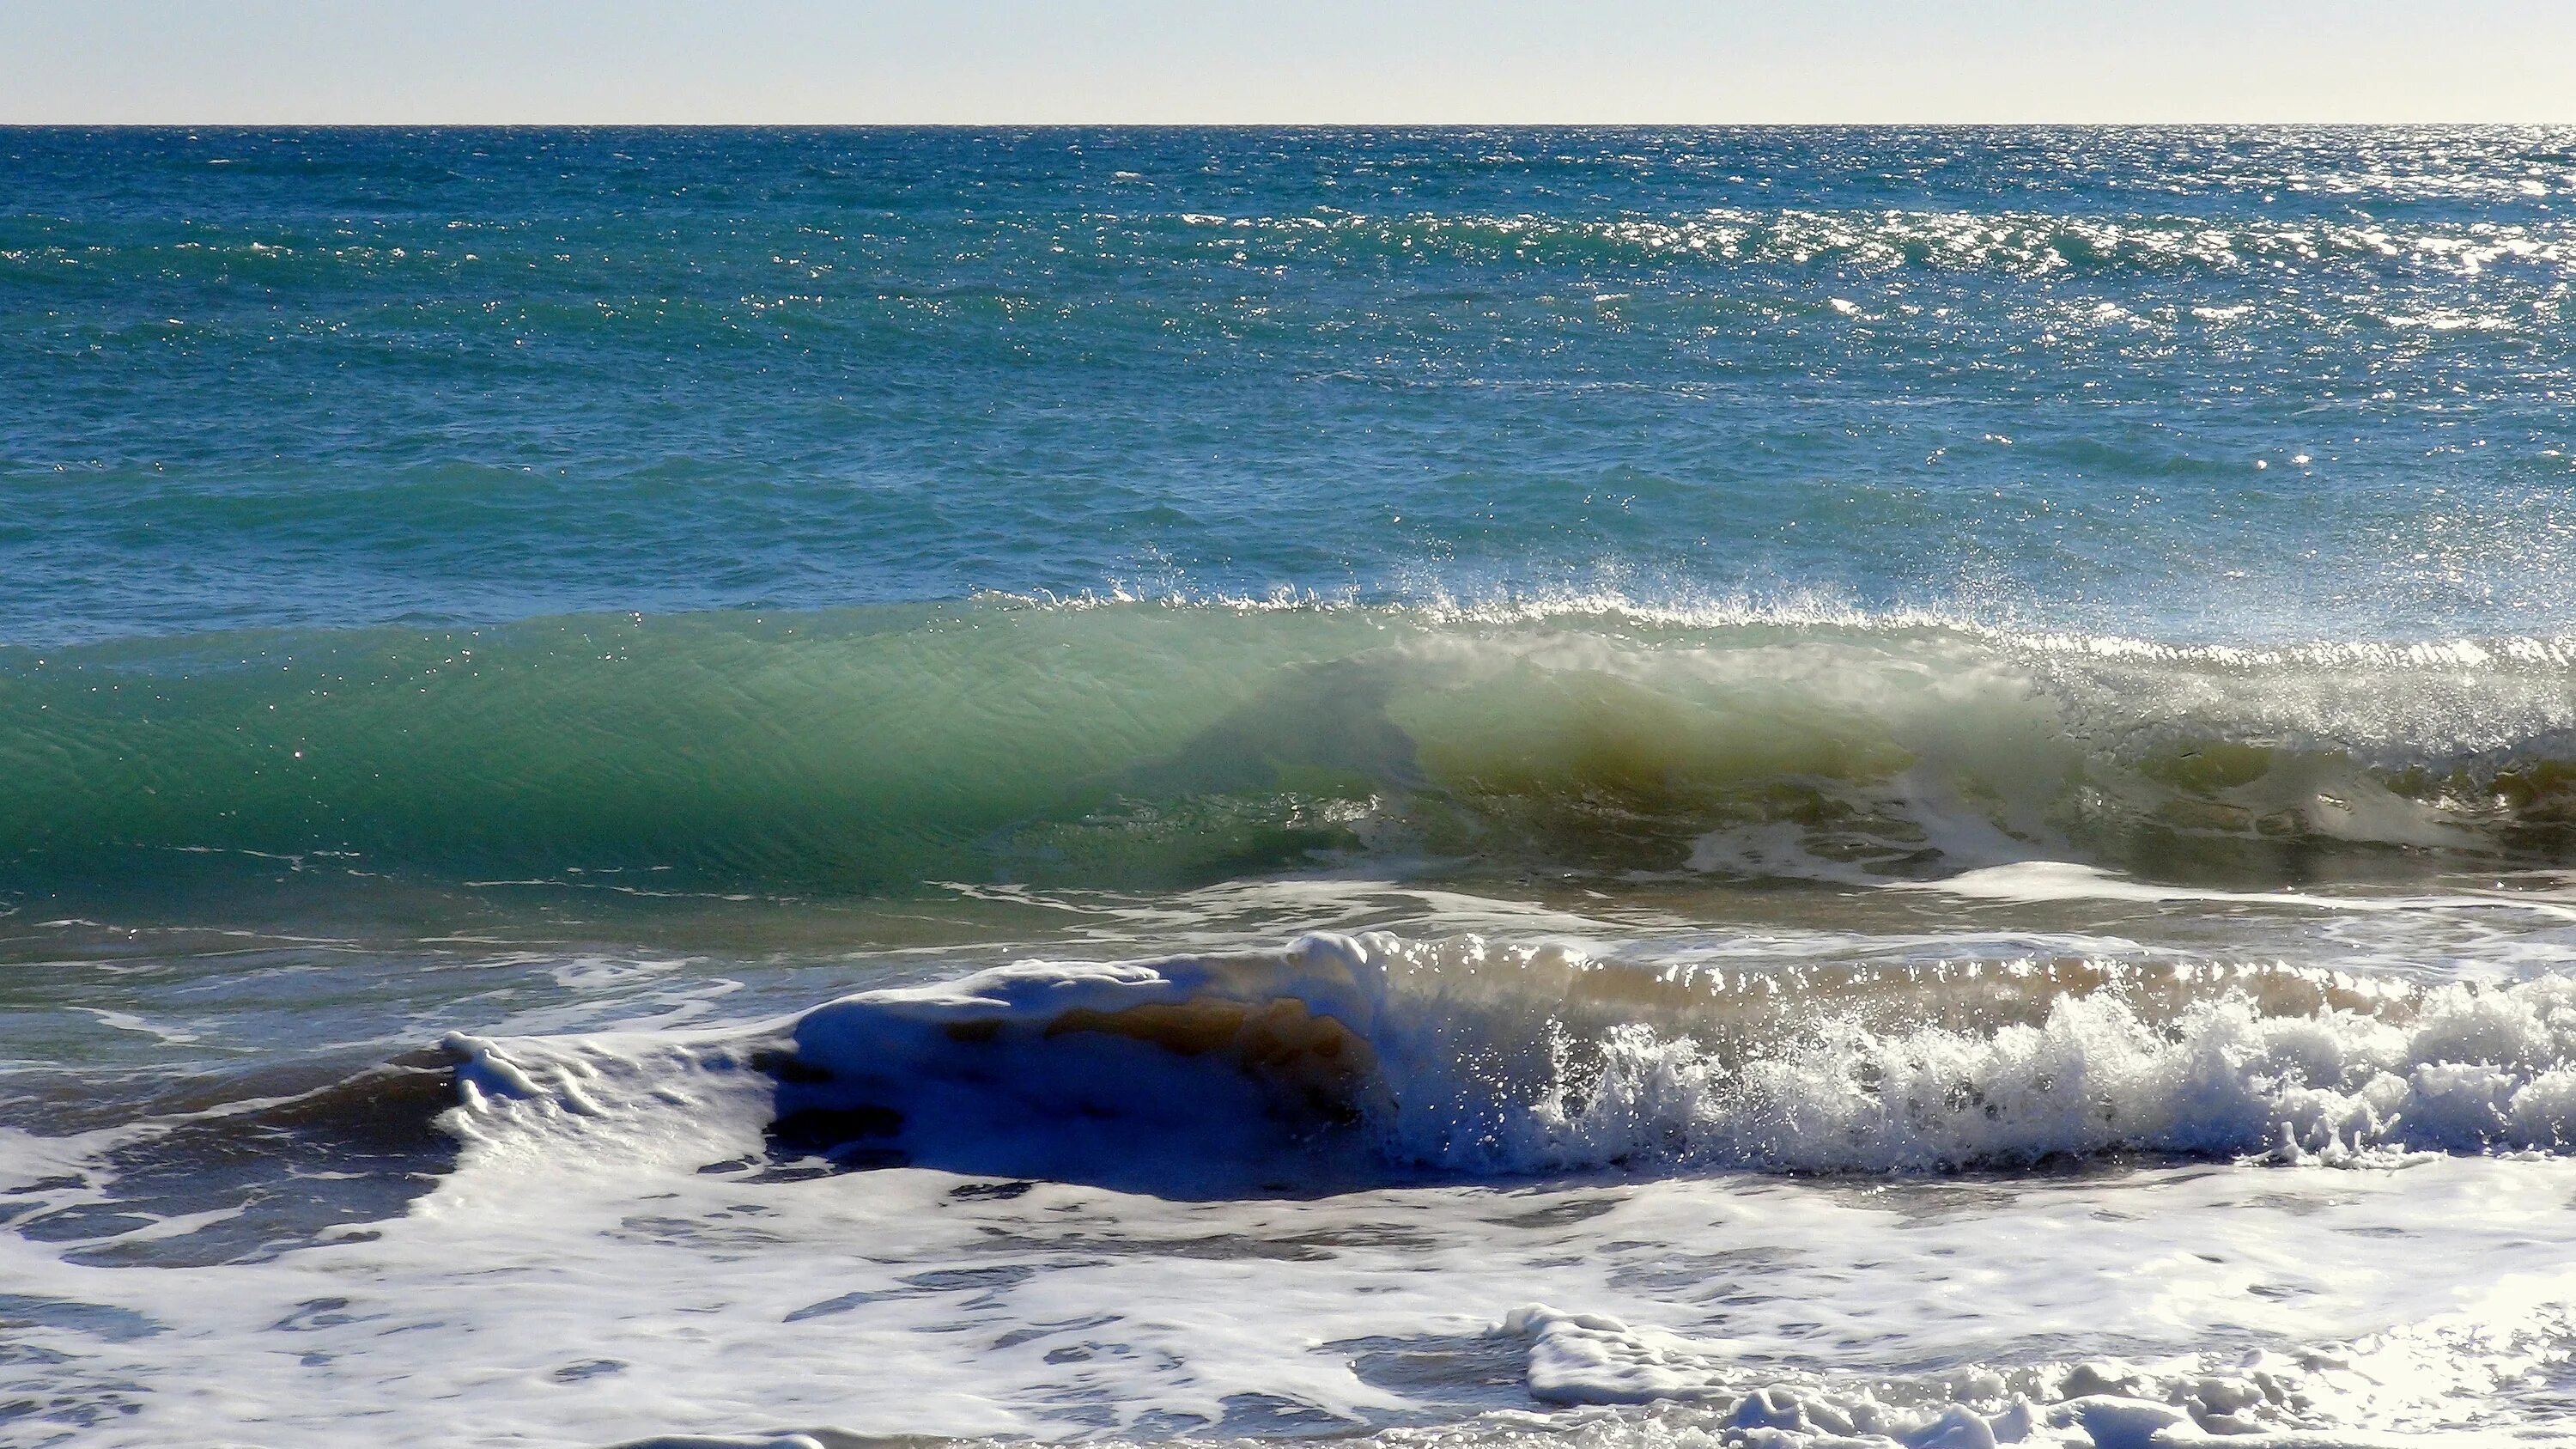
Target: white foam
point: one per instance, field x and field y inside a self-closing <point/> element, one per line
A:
<point x="2436" y="1378"/>
<point x="2037" y="881"/>
<point x="579" y="1279"/>
<point x="597" y="1308"/>
<point x="1462" y="1055"/>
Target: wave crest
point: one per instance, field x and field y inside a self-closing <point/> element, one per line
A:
<point x="1342" y="1058"/>
<point x="876" y="750"/>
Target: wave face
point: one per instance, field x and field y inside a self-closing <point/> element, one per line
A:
<point x="878" y="749"/>
<point x="1344" y="1057"/>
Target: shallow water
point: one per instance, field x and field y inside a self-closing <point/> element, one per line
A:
<point x="1620" y="787"/>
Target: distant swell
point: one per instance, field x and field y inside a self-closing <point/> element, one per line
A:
<point x="876" y="750"/>
<point x="1340" y="1059"/>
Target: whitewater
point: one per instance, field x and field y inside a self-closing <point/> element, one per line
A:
<point x="1556" y="789"/>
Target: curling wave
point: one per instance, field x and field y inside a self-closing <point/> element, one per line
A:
<point x="1134" y="743"/>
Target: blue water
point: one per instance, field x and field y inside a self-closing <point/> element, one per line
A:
<point x="1843" y="786"/>
<point x="2193" y="384"/>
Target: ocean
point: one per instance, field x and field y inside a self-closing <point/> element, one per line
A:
<point x="1455" y="789"/>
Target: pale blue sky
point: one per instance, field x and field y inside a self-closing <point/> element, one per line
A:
<point x="1216" y="60"/>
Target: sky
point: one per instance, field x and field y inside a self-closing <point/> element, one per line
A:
<point x="208" y="62"/>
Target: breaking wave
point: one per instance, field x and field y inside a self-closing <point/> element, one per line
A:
<point x="1149" y="744"/>
<point x="1343" y="1058"/>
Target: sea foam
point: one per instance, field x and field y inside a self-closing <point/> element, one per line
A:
<point x="1375" y="1054"/>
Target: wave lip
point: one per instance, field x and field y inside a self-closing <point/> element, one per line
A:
<point x="1374" y="1054"/>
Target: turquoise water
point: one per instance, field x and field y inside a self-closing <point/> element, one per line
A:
<point x="317" y="379"/>
<point x="1472" y="787"/>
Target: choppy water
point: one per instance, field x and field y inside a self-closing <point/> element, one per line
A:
<point x="1468" y="787"/>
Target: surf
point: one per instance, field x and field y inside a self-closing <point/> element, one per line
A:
<point x="1340" y="1061"/>
<point x="1150" y="744"/>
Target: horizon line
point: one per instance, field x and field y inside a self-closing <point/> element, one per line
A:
<point x="1265" y="125"/>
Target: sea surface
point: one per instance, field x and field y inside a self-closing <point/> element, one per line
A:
<point x="1569" y="789"/>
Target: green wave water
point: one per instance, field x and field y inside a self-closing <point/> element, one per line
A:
<point x="880" y="750"/>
